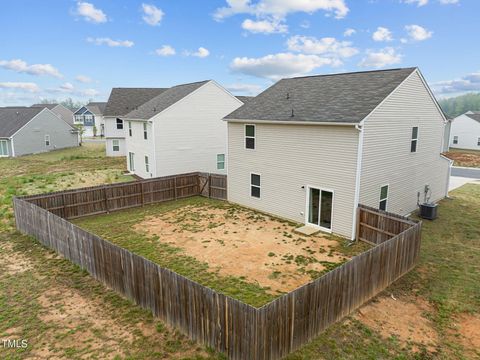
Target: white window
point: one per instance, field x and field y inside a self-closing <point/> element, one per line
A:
<point x="129" y="128"/>
<point x="220" y="161"/>
<point x="3" y="148"/>
<point x="78" y="118"/>
<point x="119" y="124"/>
<point x="478" y="141"/>
<point x="131" y="163"/>
<point x="145" y="135"/>
<point x="413" y="144"/>
<point x="455" y="139"/>
<point x="249" y="136"/>
<point x="383" y="197"/>
<point x="115" y="145"/>
<point x="147" y="166"/>
<point x="47" y="140"/>
<point x="255" y="185"/>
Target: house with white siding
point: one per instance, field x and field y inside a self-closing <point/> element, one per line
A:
<point x="121" y="102"/>
<point x="90" y="117"/>
<point x="310" y="149"/>
<point x="465" y="131"/>
<point x="30" y="130"/>
<point x="180" y="131"/>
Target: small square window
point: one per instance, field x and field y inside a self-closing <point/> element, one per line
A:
<point x="147" y="165"/>
<point x="145" y="134"/>
<point x="220" y="161"/>
<point x="455" y="140"/>
<point x="129" y="128"/>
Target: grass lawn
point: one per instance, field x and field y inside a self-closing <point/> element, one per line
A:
<point x="64" y="313"/>
<point x="467" y="158"/>
<point x="239" y="252"/>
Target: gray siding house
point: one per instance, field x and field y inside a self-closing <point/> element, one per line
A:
<point x="311" y="149"/>
<point x="28" y="130"/>
<point x="64" y="113"/>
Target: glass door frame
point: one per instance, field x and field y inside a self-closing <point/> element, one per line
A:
<point x="307" y="207"/>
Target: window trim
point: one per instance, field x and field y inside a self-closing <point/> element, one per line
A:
<point x="6" y="147"/>
<point x="250" y="137"/>
<point x="455" y="140"/>
<point x="414" y="140"/>
<point x="257" y="186"/>
<point x="145" y="132"/>
<point x="130" y="132"/>
<point x="47" y="140"/>
<point x="117" y="146"/>
<point x="118" y="122"/>
<point x="131" y="164"/>
<point x="384" y="199"/>
<point x="221" y="162"/>
<point x="147" y="163"/>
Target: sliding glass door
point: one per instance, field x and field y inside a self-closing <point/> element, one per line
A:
<point x="320" y="204"/>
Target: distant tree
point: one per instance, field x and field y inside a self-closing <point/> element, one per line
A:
<point x="81" y="131"/>
<point x="94" y="130"/>
<point x="68" y="103"/>
<point x="459" y="105"/>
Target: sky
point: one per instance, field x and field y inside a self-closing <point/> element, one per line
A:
<point x="55" y="49"/>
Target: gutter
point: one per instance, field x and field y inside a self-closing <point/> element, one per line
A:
<point x="358" y="174"/>
<point x="277" y="122"/>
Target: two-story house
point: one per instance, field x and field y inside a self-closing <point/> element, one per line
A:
<point x="90" y="117"/>
<point x="180" y="131"/>
<point x="311" y="149"/>
<point x="120" y="102"/>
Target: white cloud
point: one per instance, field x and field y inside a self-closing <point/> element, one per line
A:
<point x="26" y="86"/>
<point x="326" y="46"/>
<point x="382" y="34"/>
<point x="280" y="65"/>
<point x="265" y="26"/>
<point x="83" y="79"/>
<point x="110" y="42"/>
<point x="67" y="87"/>
<point x="89" y="92"/>
<point x="381" y="58"/>
<point x="90" y="13"/>
<point x="418" y="33"/>
<point x="447" y="2"/>
<point x="152" y="15"/>
<point x="165" y="50"/>
<point x="349" y="32"/>
<point x="418" y="2"/>
<point x="21" y="66"/>
<point x="201" y="53"/>
<point x="280" y="9"/>
<point x="242" y="88"/>
<point x="469" y="82"/>
<point x="305" y="24"/>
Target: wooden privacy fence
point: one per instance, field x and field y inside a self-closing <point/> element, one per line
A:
<point x="71" y="204"/>
<point x="226" y="324"/>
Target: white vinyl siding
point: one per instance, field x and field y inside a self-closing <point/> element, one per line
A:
<point x="387" y="156"/>
<point x="465" y="133"/>
<point x="131" y="161"/>
<point x="290" y="158"/>
<point x="4" y="148"/>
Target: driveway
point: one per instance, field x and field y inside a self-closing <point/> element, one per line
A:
<point x="473" y="173"/>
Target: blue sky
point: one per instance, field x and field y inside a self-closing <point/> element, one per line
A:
<point x="81" y="49"/>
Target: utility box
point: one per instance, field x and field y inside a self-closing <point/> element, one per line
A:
<point x="428" y="211"/>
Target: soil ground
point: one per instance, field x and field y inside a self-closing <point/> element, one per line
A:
<point x="467" y="158"/>
<point x="244" y="243"/>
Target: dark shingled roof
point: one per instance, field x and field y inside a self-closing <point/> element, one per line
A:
<point x="164" y="100"/>
<point x="124" y="100"/>
<point x="344" y="98"/>
<point x="245" y="99"/>
<point x="475" y="116"/>
<point x="96" y="107"/>
<point x="13" y="118"/>
<point x="48" y="106"/>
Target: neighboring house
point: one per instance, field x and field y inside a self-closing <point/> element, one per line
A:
<point x="465" y="131"/>
<point x="310" y="149"/>
<point x="28" y="130"/>
<point x="120" y="103"/>
<point x="65" y="113"/>
<point x="91" y="117"/>
<point x="179" y="131"/>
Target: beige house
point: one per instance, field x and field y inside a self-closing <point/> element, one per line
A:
<point x="311" y="149"/>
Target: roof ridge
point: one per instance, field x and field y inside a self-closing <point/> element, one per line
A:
<point x="351" y="73"/>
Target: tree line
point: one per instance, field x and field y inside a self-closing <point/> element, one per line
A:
<point x="459" y="105"/>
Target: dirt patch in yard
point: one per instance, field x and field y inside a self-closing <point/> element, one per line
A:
<point x="464" y="157"/>
<point x="15" y="263"/>
<point x="403" y="318"/>
<point x="469" y="329"/>
<point x="243" y="243"/>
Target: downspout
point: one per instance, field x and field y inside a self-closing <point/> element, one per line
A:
<point x="358" y="174"/>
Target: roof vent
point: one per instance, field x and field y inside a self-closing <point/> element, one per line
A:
<point x="288" y="95"/>
<point x="154" y="109"/>
<point x="292" y="114"/>
<point x="17" y="113"/>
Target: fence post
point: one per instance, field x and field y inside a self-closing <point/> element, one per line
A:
<point x="143" y="192"/>
<point x="106" y="199"/>
<point x="357" y="236"/>
<point x="209" y="186"/>
<point x="64" y="206"/>
<point x="175" y="186"/>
